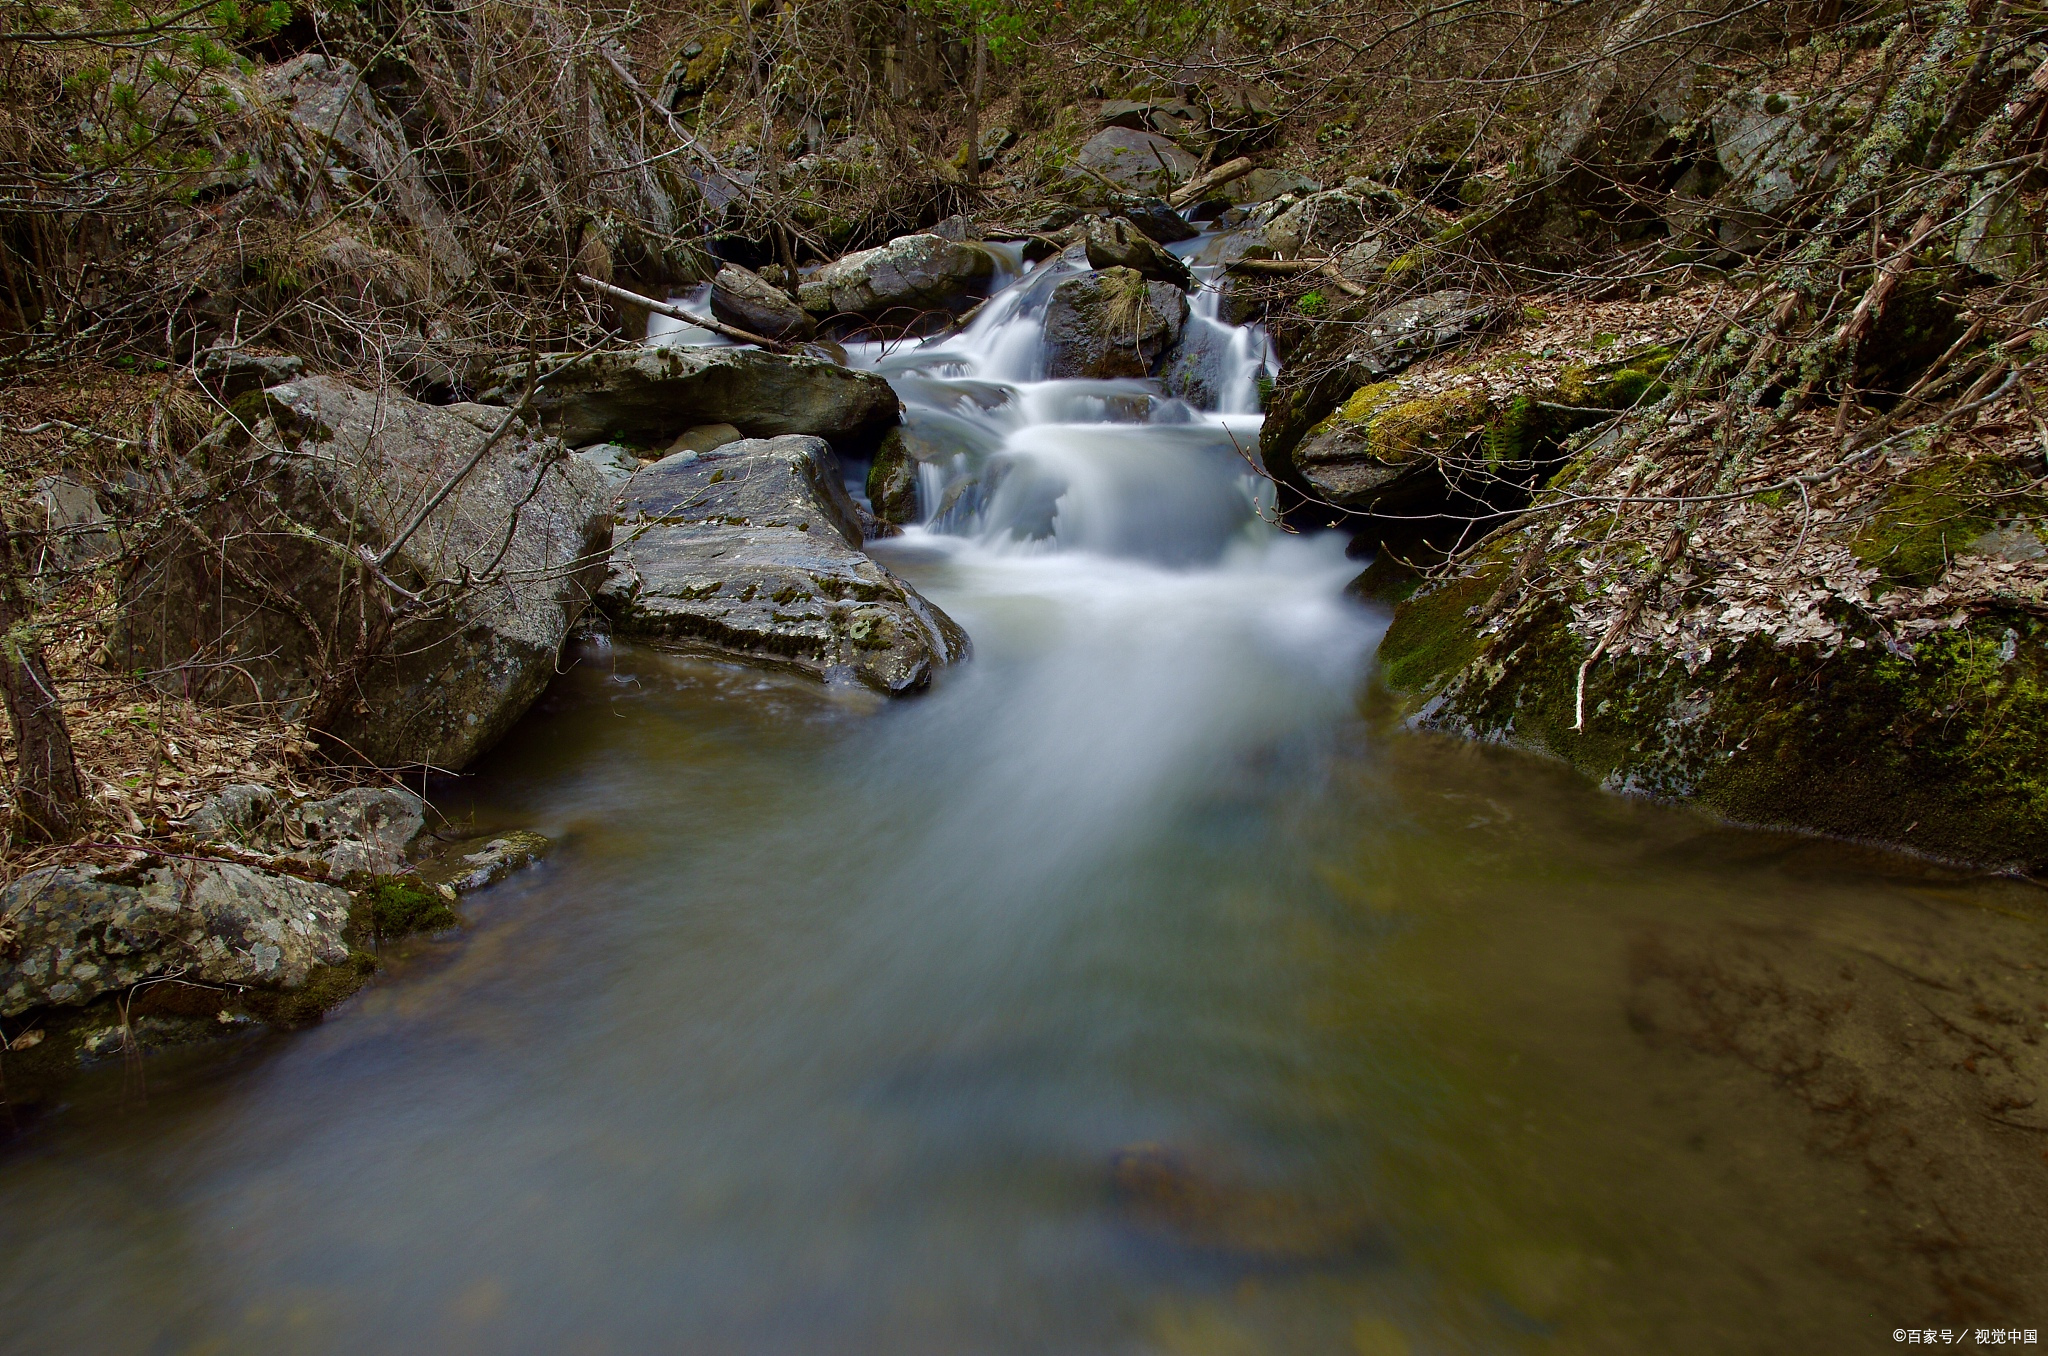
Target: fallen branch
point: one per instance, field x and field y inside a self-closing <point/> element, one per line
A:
<point x="733" y="332"/>
<point x="1192" y="191"/>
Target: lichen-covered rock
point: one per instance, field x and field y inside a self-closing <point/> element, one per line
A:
<point x="80" y="932"/>
<point x="1139" y="161"/>
<point x="911" y="275"/>
<point x="365" y="830"/>
<point x="752" y="551"/>
<point x="1115" y="243"/>
<point x="238" y="598"/>
<point x="744" y="298"/>
<point x="1393" y="340"/>
<point x="652" y="394"/>
<point x="1461" y="437"/>
<point x="1112" y="324"/>
<point x="1321" y="223"/>
<point x="2000" y="237"/>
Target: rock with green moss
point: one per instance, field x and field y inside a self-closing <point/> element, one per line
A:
<point x="1936" y="750"/>
<point x="1344" y="357"/>
<point x="1469" y="436"/>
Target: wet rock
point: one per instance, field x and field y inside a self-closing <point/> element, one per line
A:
<point x="473" y="863"/>
<point x="1112" y="324"/>
<point x="910" y="275"/>
<point x="229" y="373"/>
<point x="1140" y="162"/>
<point x="240" y="609"/>
<point x="752" y="552"/>
<point x="1115" y="243"/>
<point x="610" y="460"/>
<point x="892" y="483"/>
<point x="653" y="394"/>
<point x="1157" y="220"/>
<point x="1200" y="1206"/>
<point x="744" y="298"/>
<point x="364" y="830"/>
<point x="80" y="932"/>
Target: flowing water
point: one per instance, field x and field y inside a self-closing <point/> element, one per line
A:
<point x="1129" y="992"/>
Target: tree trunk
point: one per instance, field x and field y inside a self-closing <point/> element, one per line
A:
<point x="974" y="105"/>
<point x="46" y="791"/>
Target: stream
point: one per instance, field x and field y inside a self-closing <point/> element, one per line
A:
<point x="1133" y="991"/>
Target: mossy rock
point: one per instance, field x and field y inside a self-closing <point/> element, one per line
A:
<point x="1939" y="752"/>
<point x="1934" y="513"/>
<point x="1388" y="443"/>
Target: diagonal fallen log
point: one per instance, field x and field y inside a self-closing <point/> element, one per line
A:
<point x="1193" y="189"/>
<point x="678" y="313"/>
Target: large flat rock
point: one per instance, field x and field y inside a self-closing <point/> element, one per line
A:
<point x="753" y="551"/>
<point x="651" y="394"/>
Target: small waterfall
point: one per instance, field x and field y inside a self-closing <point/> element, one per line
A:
<point x="1015" y="462"/>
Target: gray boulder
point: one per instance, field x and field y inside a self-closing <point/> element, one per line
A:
<point x="752" y="551"/>
<point x="355" y="144"/>
<point x="1407" y="332"/>
<point x="229" y="373"/>
<point x="911" y="274"/>
<point x="1771" y="146"/>
<point x="1116" y="243"/>
<point x="1322" y="223"/>
<point x="367" y="829"/>
<point x="744" y="298"/>
<point x="1112" y="324"/>
<point x="1140" y="162"/>
<point x="615" y="463"/>
<point x="82" y="931"/>
<point x="652" y="394"/>
<point x="254" y="589"/>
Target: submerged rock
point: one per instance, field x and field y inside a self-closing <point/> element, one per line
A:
<point x="911" y="274"/>
<point x="473" y="863"/>
<point x="752" y="551"/>
<point x="246" y="597"/>
<point x="652" y="394"/>
<point x="1112" y="324"/>
<point x="80" y="932"/>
